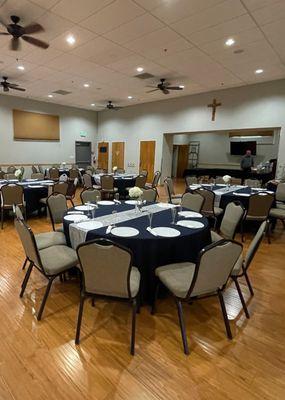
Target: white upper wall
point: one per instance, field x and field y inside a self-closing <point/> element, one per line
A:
<point x="255" y="106"/>
<point x="72" y="121"/>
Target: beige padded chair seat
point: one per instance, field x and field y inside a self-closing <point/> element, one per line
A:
<point x="43" y="200"/>
<point x="215" y="237"/>
<point x="218" y="211"/>
<point x="56" y="259"/>
<point x="278" y="213"/>
<point x="48" y="239"/>
<point x="176" y="200"/>
<point x="280" y="204"/>
<point x="177" y="277"/>
<point x="237" y="269"/>
<point x="176" y="196"/>
<point x="97" y="187"/>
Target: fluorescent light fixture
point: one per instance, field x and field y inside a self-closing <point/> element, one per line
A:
<point x="130" y="97"/>
<point x="230" y="42"/>
<point x="92" y="104"/>
<point x="50" y="95"/>
<point x="259" y="71"/>
<point x="86" y="85"/>
<point x="140" y="69"/>
<point x="70" y="39"/>
<point x="21" y="67"/>
<point x="247" y="137"/>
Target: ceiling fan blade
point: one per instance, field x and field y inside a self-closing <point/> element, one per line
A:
<point x="14" y="44"/>
<point x="35" y="42"/>
<point x="151" y="86"/>
<point x="174" y="88"/>
<point x="33" y="28"/>
<point x="165" y="91"/>
<point x="11" y="84"/>
<point x="153" y="90"/>
<point x="4" y="33"/>
<point x="18" y="88"/>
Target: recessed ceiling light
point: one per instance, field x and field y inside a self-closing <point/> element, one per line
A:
<point x="130" y="97"/>
<point x="93" y="104"/>
<point x="86" y="85"/>
<point x="230" y="42"/>
<point x="259" y="71"/>
<point x="70" y="39"/>
<point x="181" y="86"/>
<point x="50" y="95"/>
<point x="21" y="67"/>
<point x="140" y="69"/>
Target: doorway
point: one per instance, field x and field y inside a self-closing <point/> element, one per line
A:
<point x="82" y="154"/>
<point x="118" y="154"/>
<point x="103" y="155"/>
<point x="147" y="157"/>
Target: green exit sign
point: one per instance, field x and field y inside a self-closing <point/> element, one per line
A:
<point x="83" y="134"/>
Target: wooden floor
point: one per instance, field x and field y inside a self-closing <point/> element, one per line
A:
<point x="39" y="360"/>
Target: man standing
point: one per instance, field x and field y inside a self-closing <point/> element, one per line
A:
<point x="247" y="162"/>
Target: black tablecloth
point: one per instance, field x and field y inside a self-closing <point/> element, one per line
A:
<point x="32" y="198"/>
<point x="229" y="197"/>
<point x="235" y="173"/>
<point x="121" y="184"/>
<point x="149" y="251"/>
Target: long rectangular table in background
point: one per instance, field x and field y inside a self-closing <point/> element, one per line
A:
<point x="235" y="173"/>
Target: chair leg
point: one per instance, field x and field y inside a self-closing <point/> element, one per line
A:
<point x="79" y="319"/>
<point x="225" y="316"/>
<point x="2" y="217"/>
<point x="25" y="263"/>
<point x="25" y="281"/>
<point x="268" y="234"/>
<point x="241" y="297"/>
<point x="182" y="327"/>
<point x="248" y="283"/>
<point x="156" y="291"/>
<point x="93" y="301"/>
<point x="133" y="336"/>
<point x="40" y="313"/>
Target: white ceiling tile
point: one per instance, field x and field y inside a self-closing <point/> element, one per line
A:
<point x="256" y="4"/>
<point x="222" y="12"/>
<point x="53" y="25"/>
<point x="269" y="14"/>
<point x="152" y="4"/>
<point x="40" y="56"/>
<point x="112" y="16"/>
<point x="76" y="11"/>
<point x="172" y="11"/>
<point x="27" y="11"/>
<point x="136" y="28"/>
<point x="80" y="35"/>
<point x="45" y="3"/>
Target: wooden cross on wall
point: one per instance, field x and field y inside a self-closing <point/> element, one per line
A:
<point x="214" y="106"/>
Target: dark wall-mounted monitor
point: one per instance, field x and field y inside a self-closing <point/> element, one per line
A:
<point x="103" y="149"/>
<point x="240" y="148"/>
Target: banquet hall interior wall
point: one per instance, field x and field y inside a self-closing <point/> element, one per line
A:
<point x="72" y="122"/>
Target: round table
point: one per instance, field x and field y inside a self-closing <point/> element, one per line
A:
<point x="121" y="182"/>
<point x="150" y="251"/>
<point x="242" y="195"/>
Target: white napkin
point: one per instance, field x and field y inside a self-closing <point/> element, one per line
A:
<point x="117" y="201"/>
<point x="241" y="194"/>
<point x="151" y="231"/>
<point x="109" y="228"/>
<point x="75" y="212"/>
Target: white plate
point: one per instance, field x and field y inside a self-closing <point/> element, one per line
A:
<point x="241" y="194"/>
<point x="89" y="225"/>
<point x="125" y="231"/>
<point x="191" y="224"/>
<point x="132" y="202"/>
<point x="31" y="180"/>
<point x="35" y="186"/>
<point x="166" y="205"/>
<point x="75" y="217"/>
<point x="166" y="232"/>
<point x="84" y="208"/>
<point x="190" y="214"/>
<point x="105" y="203"/>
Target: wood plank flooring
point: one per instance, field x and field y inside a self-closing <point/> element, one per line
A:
<point x="39" y="360"/>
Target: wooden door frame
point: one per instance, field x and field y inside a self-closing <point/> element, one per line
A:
<point x="125" y="146"/>
<point x="147" y="140"/>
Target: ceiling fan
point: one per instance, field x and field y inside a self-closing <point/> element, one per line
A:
<point x="110" y="106"/>
<point x="164" y="87"/>
<point x="7" y="85"/>
<point x="18" y="31"/>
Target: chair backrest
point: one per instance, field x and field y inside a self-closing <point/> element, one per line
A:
<point x="156" y="178"/>
<point x="144" y="172"/>
<point x="40" y="168"/>
<point x="254" y="183"/>
<point x="280" y="192"/>
<point x="120" y="171"/>
<point x="60" y="187"/>
<point x="233" y="215"/>
<point x="190" y="180"/>
<point x="2" y="175"/>
<point x="10" y="176"/>
<point x="87" y="181"/>
<point x="54" y="173"/>
<point x="169" y="182"/>
<point x="255" y="243"/>
<point x="34" y="169"/>
<point x="100" y="171"/>
<point x="28" y="242"/>
<point x="57" y="206"/>
<point x="149" y="195"/>
<point x="219" y="180"/>
<point x="209" y="197"/>
<point x="167" y="190"/>
<point x="71" y="188"/>
<point x="12" y="194"/>
<point x="193" y="201"/>
<point x="140" y="181"/>
<point x="90" y="195"/>
<point x="259" y="205"/>
<point x="89" y="168"/>
<point x="107" y="182"/>
<point x="73" y="173"/>
<point x="37" y="175"/>
<point x="214" y="266"/>
<point x="17" y="212"/>
<point x="11" y="169"/>
<point x="106" y="268"/>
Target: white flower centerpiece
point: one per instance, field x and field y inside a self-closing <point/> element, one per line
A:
<point x="227" y="179"/>
<point x="115" y="169"/>
<point x="19" y="174"/>
<point x="136" y="193"/>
